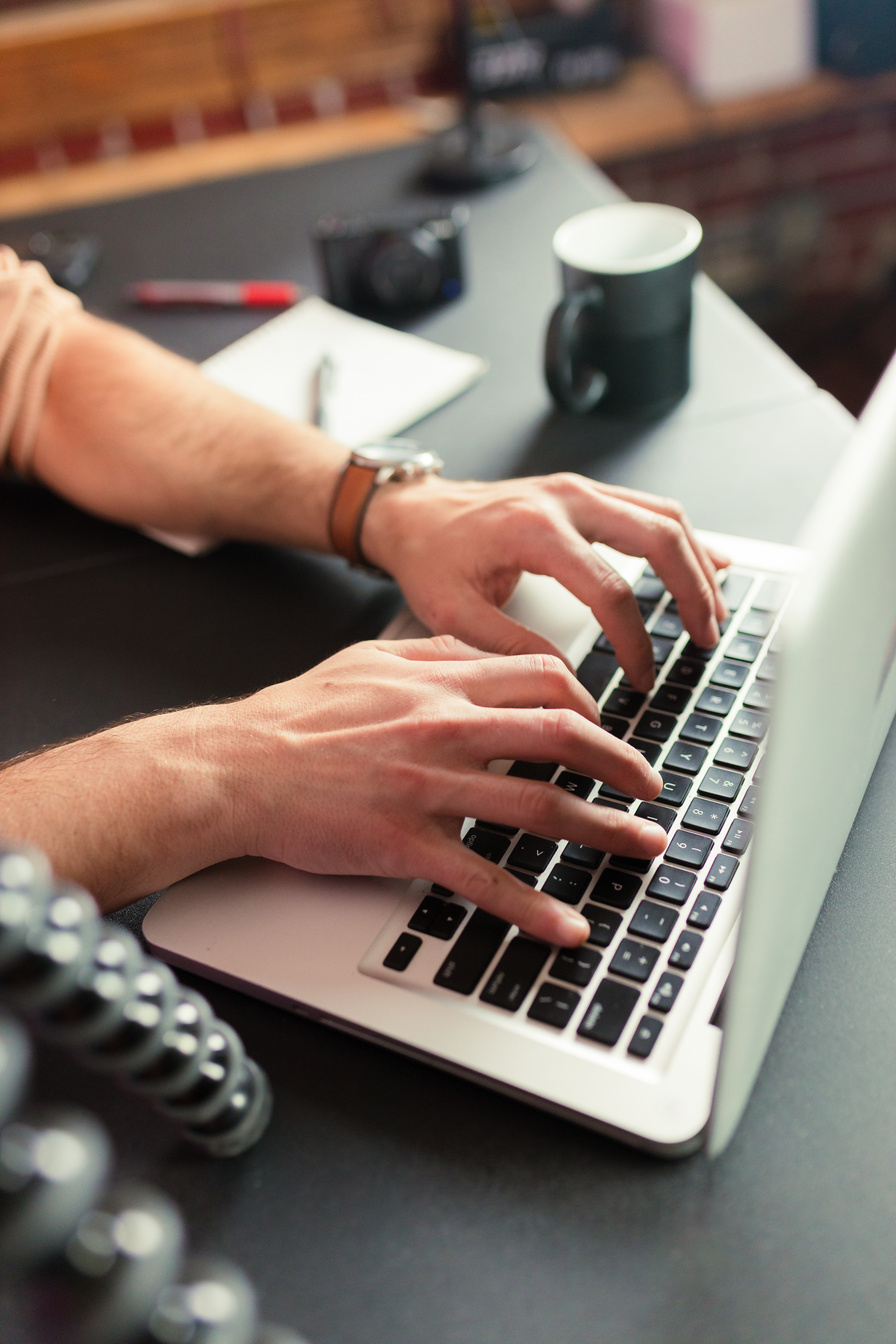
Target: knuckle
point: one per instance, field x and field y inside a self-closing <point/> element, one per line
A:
<point x="616" y="593"/>
<point x="562" y="726"/>
<point x="674" y="509"/>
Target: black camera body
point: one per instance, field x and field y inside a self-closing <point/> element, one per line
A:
<point x="397" y="262"/>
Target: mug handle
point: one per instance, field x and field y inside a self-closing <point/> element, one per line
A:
<point x="564" y="379"/>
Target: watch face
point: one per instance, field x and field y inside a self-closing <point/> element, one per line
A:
<point x="392" y="454"/>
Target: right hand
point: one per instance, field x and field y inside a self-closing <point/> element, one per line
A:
<point x="369" y="762"/>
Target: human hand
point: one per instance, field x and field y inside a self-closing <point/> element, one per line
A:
<point x="369" y="763"/>
<point x="457" y="549"/>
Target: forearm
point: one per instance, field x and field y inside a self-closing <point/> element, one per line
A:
<point x="135" y="434"/>
<point x="132" y="809"/>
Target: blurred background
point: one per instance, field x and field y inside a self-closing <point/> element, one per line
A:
<point x="774" y="121"/>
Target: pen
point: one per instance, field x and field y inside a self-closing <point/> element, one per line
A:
<point x="319" y="391"/>
<point x="215" y="293"/>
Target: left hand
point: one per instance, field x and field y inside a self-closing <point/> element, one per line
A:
<point x="457" y="549"/>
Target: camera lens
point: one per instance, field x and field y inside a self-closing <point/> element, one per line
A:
<point x="404" y="269"/>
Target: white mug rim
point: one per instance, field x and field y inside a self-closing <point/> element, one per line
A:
<point x="653" y="261"/>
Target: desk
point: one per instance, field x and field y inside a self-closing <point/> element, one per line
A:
<point x="390" y="1203"/>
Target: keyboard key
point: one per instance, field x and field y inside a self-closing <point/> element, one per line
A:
<point x="685" y="950"/>
<point x="687" y="671"/>
<point x="425" y="913"/>
<point x="705" y="815"/>
<point x="530" y="879"/>
<point x="700" y="728"/>
<point x="749" y="804"/>
<point x="623" y="702"/>
<point x="663" y="816"/>
<point x="759" y="696"/>
<point x="671" y="699"/>
<point x="488" y="844"/>
<point x="634" y="960"/>
<point x="715" y="700"/>
<point x="603" y="645"/>
<point x="608" y="1012"/>
<point x="630" y="865"/>
<point x="468" y="959"/>
<point x="607" y="791"/>
<point x="756" y="624"/>
<point x="722" y="784"/>
<point x="576" y="965"/>
<point x="578" y="785"/>
<point x="649" y="588"/>
<point x="583" y="854"/>
<point x="515" y="973"/>
<point x="440" y="891"/>
<point x="533" y="853"/>
<point x="740" y="833"/>
<point x="649" y="750"/>
<point x="447" y="921"/>
<point x="611" y="724"/>
<point x="402" y="952"/>
<point x="720" y="874"/>
<point x="749" y="723"/>
<point x="566" y="883"/>
<point x="735" y="586"/>
<point x="656" y="727"/>
<point x="685" y="757"/>
<point x="666" y="992"/>
<point x="496" y="826"/>
<point x="554" y="1005"/>
<point x="644" y="1039"/>
<point x="604" y="924"/>
<point x="743" y="650"/>
<point x="671" y="884"/>
<point x="768" y="669"/>
<point x="705" y="907"/>
<point x="667" y="626"/>
<point x="738" y="755"/>
<point x="543" y="770"/>
<point x="616" y="889"/>
<point x="771" y="595"/>
<point x="653" y="921"/>
<point x="689" y="849"/>
<point x="675" y="787"/>
<point x="732" y="675"/>
<point x="596" y="671"/>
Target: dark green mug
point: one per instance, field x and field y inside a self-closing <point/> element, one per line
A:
<point x="620" y="339"/>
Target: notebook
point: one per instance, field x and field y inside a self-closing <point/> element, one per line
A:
<point x="653" y="1031"/>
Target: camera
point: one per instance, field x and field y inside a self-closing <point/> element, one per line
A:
<point x="399" y="261"/>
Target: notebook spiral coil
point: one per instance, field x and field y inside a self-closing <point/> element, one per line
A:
<point x="88" y="985"/>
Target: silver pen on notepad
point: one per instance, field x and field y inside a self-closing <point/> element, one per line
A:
<point x="320" y="391"/>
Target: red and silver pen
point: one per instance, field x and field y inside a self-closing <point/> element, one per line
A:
<point x="215" y="293"/>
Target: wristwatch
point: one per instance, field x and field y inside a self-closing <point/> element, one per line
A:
<point x="368" y="468"/>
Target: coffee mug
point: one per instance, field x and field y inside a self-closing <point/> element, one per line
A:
<point x="621" y="336"/>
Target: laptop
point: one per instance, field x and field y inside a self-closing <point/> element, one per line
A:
<point x="654" y="1030"/>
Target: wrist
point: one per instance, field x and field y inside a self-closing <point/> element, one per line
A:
<point x="392" y="517"/>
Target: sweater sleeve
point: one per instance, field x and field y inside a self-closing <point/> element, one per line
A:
<point x="32" y="313"/>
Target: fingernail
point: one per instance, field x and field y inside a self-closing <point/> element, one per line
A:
<point x="652" y="837"/>
<point x="645" y="683"/>
<point x="575" y="926"/>
<point x="656" y="781"/>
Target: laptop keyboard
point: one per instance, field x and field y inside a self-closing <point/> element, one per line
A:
<point x="703" y="727"/>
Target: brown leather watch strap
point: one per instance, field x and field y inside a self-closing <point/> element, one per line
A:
<point x="353" y="493"/>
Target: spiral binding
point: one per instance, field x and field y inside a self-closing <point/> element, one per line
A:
<point x="88" y="985"/>
<point x="106" y="1265"/>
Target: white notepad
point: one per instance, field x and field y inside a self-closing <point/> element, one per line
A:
<point x="383" y="380"/>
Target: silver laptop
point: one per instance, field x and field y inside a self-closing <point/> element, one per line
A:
<point x="654" y="1030"/>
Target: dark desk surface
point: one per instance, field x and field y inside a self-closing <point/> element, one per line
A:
<point x="389" y="1203"/>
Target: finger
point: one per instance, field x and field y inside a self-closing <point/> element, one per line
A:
<point x="548" y="810"/>
<point x="709" y="561"/>
<point x="534" y="681"/>
<point x="561" y="735"/>
<point x="438" y="648"/>
<point x="562" y="552"/>
<point x="478" y="620"/>
<point x="494" y="889"/>
<point x="659" y="536"/>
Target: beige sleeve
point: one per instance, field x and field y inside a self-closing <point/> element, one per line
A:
<point x="32" y="313"/>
